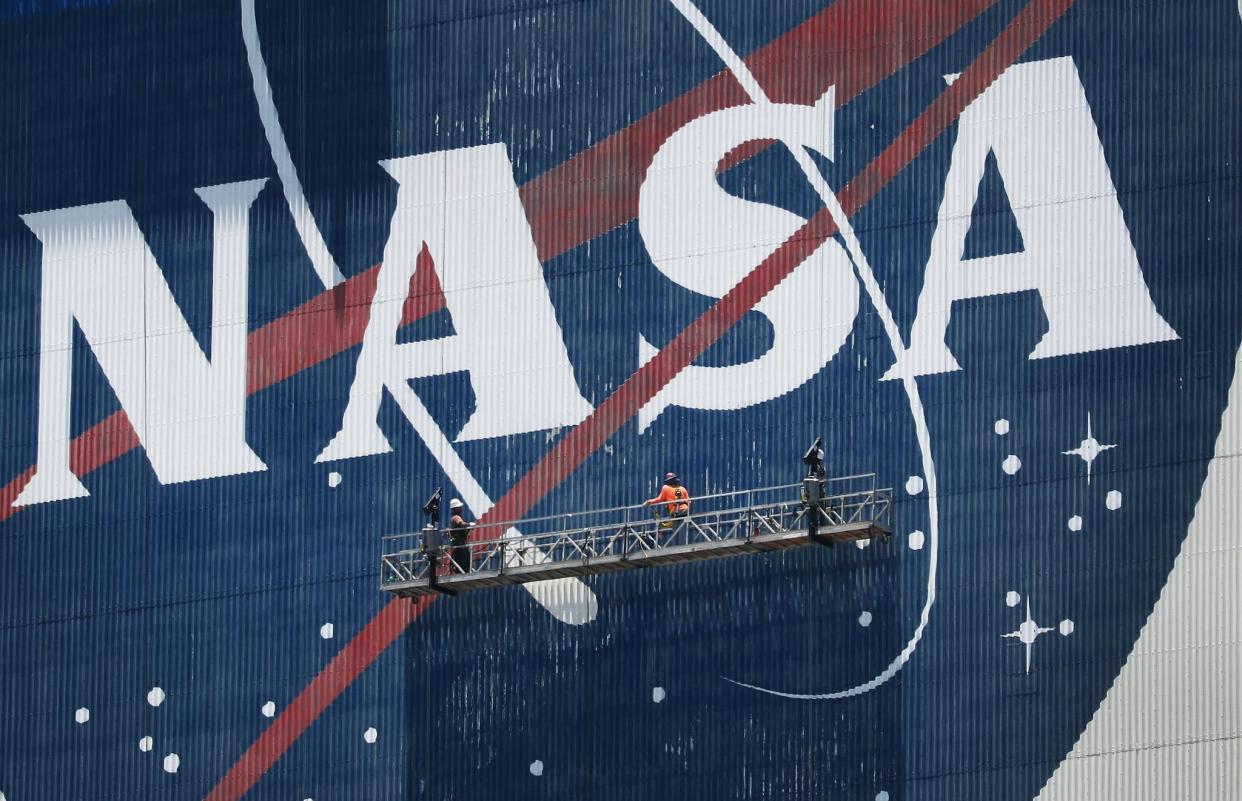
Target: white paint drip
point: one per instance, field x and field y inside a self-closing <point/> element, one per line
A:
<point x="875" y="294"/>
<point x="303" y="220"/>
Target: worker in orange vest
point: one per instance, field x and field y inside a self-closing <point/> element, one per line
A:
<point x="674" y="496"/>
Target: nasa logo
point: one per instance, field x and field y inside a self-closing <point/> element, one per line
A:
<point x="967" y="300"/>
<point x="682" y="210"/>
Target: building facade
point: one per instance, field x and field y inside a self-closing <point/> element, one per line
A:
<point x="276" y="271"/>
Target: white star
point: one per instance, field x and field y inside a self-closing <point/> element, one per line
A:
<point x="1027" y="633"/>
<point x="1089" y="448"/>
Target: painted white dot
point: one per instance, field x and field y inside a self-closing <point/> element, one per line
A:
<point x="1011" y="465"/>
<point x="82" y="715"/>
<point x="916" y="540"/>
<point x="327" y="631"/>
<point x="155" y="696"/>
<point x="658" y="695"/>
<point x="864" y="619"/>
<point x="172" y="763"/>
<point x="1113" y="501"/>
<point x="882" y="795"/>
<point x="1012" y="598"/>
<point x="1001" y="427"/>
<point x="146" y="744"/>
<point x="370" y="735"/>
<point x="334" y="479"/>
<point x="914" y="485"/>
<point x="1075" y="523"/>
<point x="860" y="544"/>
<point x="268" y="709"/>
<point x="536" y="768"/>
<point x="1067" y="627"/>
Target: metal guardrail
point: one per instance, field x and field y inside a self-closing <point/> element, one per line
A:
<point x="605" y="540"/>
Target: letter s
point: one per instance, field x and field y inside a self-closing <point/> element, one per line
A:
<point x="707" y="240"/>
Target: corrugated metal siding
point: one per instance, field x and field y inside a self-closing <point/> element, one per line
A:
<point x="195" y="613"/>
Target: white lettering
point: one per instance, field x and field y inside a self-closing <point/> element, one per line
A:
<point x="707" y="240"/>
<point x="189" y="411"/>
<point x="1077" y="249"/>
<point x="463" y="204"/>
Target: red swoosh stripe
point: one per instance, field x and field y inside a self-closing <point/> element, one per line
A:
<point x="1026" y="28"/>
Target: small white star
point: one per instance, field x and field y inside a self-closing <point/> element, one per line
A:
<point x="1027" y="633"/>
<point x="1089" y="448"/>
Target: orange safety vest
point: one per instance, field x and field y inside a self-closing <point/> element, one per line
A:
<point x="677" y="497"/>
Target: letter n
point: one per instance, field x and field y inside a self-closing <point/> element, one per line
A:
<point x="188" y="411"/>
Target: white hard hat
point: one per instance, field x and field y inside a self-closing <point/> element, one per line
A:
<point x="455" y="504"/>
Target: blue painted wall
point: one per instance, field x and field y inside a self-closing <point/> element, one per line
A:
<point x="215" y="591"/>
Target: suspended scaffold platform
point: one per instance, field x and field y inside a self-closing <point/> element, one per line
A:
<point x="823" y="511"/>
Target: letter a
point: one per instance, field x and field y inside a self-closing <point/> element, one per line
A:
<point x="1078" y="252"/>
<point x="464" y="206"/>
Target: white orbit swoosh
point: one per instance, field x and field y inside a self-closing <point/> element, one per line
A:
<point x="568" y="599"/>
<point x="303" y="219"/>
<point x="757" y="96"/>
